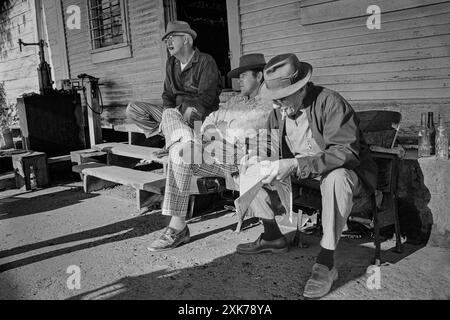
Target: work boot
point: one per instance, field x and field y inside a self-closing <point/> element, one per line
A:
<point x="279" y="245"/>
<point x="320" y="282"/>
<point x="170" y="239"/>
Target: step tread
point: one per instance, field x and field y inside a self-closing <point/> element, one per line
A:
<point x="79" y="167"/>
<point x="148" y="181"/>
<point x="132" y="151"/>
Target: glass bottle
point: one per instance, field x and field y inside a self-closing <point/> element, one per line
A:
<point x="424" y="137"/>
<point x="33" y="181"/>
<point x="441" y="140"/>
<point x="431" y="128"/>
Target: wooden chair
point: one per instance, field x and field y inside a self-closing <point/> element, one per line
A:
<point x="380" y="129"/>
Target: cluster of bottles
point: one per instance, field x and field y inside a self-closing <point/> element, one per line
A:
<point x="432" y="141"/>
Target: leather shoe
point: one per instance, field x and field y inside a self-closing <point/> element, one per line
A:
<point x="320" y="282"/>
<point x="279" y="245"/>
<point x="170" y="238"/>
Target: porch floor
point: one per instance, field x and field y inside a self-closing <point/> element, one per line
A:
<point x="46" y="231"/>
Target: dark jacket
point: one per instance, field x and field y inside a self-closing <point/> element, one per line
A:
<point x="198" y="85"/>
<point x="335" y="127"/>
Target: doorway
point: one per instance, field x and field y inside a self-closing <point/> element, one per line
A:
<point x="209" y="19"/>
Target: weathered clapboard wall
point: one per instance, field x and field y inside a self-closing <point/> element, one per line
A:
<point x="405" y="65"/>
<point x="139" y="77"/>
<point x="18" y="70"/>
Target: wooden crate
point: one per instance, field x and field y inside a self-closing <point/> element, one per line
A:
<point x="21" y="165"/>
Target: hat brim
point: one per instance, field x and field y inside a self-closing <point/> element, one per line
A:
<point x="236" y="72"/>
<point x="284" y="92"/>
<point x="190" y="32"/>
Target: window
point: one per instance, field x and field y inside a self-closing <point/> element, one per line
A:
<point x="108" y="30"/>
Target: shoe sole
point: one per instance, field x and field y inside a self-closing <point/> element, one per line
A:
<point x="267" y="250"/>
<point x="323" y="293"/>
<point x="169" y="248"/>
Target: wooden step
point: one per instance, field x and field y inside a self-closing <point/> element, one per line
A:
<point x="131" y="151"/>
<point x="7" y="180"/>
<point x="79" y="167"/>
<point x="142" y="180"/>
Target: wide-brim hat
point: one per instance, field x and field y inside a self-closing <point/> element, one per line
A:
<point x="178" y="26"/>
<point x="284" y="75"/>
<point x="252" y="61"/>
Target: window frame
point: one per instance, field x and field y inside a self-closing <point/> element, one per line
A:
<point x="115" y="51"/>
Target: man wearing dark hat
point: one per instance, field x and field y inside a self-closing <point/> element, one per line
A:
<point x="231" y="123"/>
<point x="320" y="142"/>
<point x="192" y="83"/>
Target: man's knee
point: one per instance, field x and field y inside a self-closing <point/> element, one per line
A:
<point x="133" y="110"/>
<point x="339" y="180"/>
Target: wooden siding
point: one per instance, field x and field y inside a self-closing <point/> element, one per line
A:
<point x="138" y="78"/>
<point x="18" y="70"/>
<point x="403" y="66"/>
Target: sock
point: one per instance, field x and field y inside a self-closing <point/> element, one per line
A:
<point x="326" y="257"/>
<point x="271" y="230"/>
<point x="177" y="223"/>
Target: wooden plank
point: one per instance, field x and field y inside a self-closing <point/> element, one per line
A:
<point x="358" y="22"/>
<point x="284" y="13"/>
<point x="419" y="64"/>
<point x="248" y="7"/>
<point x="346" y="9"/>
<point x="131" y="151"/>
<point x="396" y="94"/>
<point x="311" y="35"/>
<point x="142" y="180"/>
<point x="7" y="180"/>
<point x="58" y="159"/>
<point x="80" y="167"/>
<point x="306" y="43"/>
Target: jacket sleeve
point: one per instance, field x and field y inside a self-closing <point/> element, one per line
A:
<point x="207" y="88"/>
<point x="168" y="96"/>
<point x="341" y="138"/>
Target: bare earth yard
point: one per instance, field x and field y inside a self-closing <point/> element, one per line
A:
<point x="46" y="231"/>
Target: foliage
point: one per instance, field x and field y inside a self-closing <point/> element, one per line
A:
<point x="8" y="113"/>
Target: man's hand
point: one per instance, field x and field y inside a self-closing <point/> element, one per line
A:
<point x="278" y="169"/>
<point x="247" y="161"/>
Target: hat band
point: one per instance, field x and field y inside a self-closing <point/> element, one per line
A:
<point x="283" y="82"/>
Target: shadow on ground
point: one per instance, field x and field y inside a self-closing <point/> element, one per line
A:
<point x="24" y="204"/>
<point x="235" y="276"/>
<point x="136" y="227"/>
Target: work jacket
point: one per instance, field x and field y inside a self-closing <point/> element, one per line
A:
<point x="197" y="86"/>
<point x="335" y="128"/>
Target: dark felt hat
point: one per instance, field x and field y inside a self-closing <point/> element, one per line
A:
<point x="283" y="75"/>
<point x="248" y="62"/>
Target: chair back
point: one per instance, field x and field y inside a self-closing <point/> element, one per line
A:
<point x="380" y="127"/>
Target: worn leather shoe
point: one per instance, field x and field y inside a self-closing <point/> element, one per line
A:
<point x="279" y="245"/>
<point x="320" y="282"/>
<point x="170" y="239"/>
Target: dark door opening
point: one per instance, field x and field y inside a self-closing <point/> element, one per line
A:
<point x="209" y="19"/>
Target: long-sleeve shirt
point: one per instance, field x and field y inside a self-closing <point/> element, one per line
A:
<point x="197" y="86"/>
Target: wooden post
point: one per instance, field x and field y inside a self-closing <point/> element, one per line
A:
<point x="93" y="109"/>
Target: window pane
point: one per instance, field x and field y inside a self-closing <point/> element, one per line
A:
<point x="106" y="23"/>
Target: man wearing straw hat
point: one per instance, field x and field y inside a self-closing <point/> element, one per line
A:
<point x="319" y="139"/>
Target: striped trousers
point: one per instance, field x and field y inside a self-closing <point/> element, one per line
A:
<point x="146" y="116"/>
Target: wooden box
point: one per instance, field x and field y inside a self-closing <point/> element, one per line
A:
<point x="21" y="165"/>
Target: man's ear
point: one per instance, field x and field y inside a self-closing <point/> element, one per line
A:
<point x="259" y="76"/>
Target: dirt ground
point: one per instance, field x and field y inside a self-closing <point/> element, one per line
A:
<point x="45" y="232"/>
